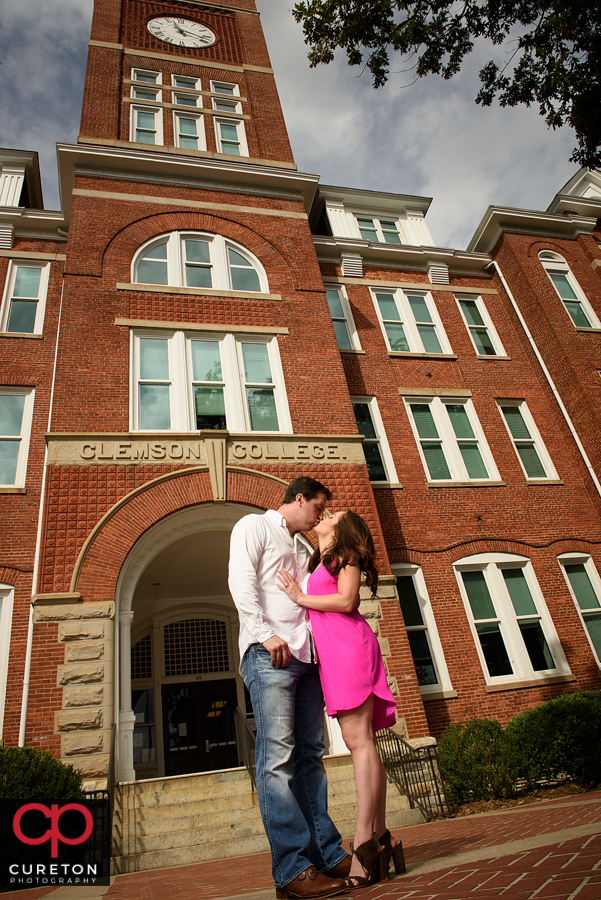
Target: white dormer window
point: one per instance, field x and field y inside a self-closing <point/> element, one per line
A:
<point x="383" y="231"/>
<point x="568" y="289"/>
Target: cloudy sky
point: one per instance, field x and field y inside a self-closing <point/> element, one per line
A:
<point x="429" y="139"/>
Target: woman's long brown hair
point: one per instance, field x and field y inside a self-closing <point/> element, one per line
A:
<point x="353" y="546"/>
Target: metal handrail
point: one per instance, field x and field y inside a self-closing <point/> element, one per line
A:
<point x="415" y="772"/>
<point x="246" y="742"/>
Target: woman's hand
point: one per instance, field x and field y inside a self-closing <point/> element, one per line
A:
<point x="290" y="587"/>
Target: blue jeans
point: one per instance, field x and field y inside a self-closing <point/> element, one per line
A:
<point x="291" y="779"/>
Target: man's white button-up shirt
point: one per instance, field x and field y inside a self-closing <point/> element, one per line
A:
<point x="260" y="545"/>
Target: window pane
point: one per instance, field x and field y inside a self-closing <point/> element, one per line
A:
<point x="519" y="592"/>
<point x="532" y="464"/>
<point x="256" y="364"/>
<point x="11" y="414"/>
<point x="188" y="126"/>
<point x="198" y="276"/>
<point x="236" y="259"/>
<point x="436" y="462"/>
<point x="484" y="345"/>
<point x="226" y="106"/>
<point x="478" y="595"/>
<point x="471" y="312"/>
<point x="243" y="274"/>
<point x="142" y="94"/>
<point x="154" y="358"/>
<point x="429" y="338"/>
<point x="577" y="314"/>
<point x="197" y="251"/>
<point x="209" y="407"/>
<point x="410" y="608"/>
<point x="334" y="304"/>
<point x="9" y="455"/>
<point x="182" y="81"/>
<point x="419" y="308"/>
<point x="146" y="120"/>
<point x="152" y="272"/>
<point x="150" y="77"/>
<point x="223" y="89"/>
<point x="373" y="459"/>
<point x="206" y="361"/>
<point x="516" y="423"/>
<point x="229" y="133"/>
<point x="582" y="587"/>
<point x="493" y="647"/>
<point x="27" y="282"/>
<point x="365" y="424"/>
<point x="342" y="336"/>
<point x="396" y="337"/>
<point x="185" y="99"/>
<point x="459" y="420"/>
<point x="22" y="316"/>
<point x="367" y="229"/>
<point x="536" y="645"/>
<point x="422" y="658"/>
<point x="424" y="420"/>
<point x="261" y="406"/>
<point x="154" y="407"/>
<point x="389" y="230"/>
<point x="593" y="624"/>
<point x="562" y="286"/>
<point x="473" y="460"/>
<point x="388" y="307"/>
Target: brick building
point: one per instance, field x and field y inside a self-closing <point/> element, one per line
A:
<point x="202" y="322"/>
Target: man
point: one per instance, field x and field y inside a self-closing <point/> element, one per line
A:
<point x="281" y="675"/>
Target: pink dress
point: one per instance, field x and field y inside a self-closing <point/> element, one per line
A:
<point x="350" y="662"/>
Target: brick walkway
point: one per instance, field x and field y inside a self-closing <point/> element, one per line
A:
<point x="535" y="852"/>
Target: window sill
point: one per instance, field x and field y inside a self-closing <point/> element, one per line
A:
<point x="461" y="484"/>
<point x="198" y="292"/>
<point x="411" y="355"/>
<point x="530" y="481"/>
<point x="594" y="330"/>
<point x="13" y="490"/>
<point x="538" y="682"/>
<point x="352" y="350"/>
<point x="480" y="356"/>
<point x="21" y="334"/>
<point x="381" y="485"/>
<point x="439" y="695"/>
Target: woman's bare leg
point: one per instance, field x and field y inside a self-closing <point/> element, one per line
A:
<point x="370" y="778"/>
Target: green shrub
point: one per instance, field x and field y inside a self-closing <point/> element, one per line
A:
<point x="29" y="774"/>
<point x="559" y="737"/>
<point x="474" y="761"/>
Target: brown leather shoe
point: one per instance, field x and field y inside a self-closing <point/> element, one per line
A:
<point x="311" y="884"/>
<point x="340" y="870"/>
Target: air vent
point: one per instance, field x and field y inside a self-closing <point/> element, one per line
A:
<point x="438" y="274"/>
<point x="6" y="237"/>
<point x="352" y="265"/>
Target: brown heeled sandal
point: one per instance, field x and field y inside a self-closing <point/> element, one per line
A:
<point x="393" y="853"/>
<point x="372" y="858"/>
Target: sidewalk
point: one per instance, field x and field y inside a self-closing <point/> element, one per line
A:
<point x="539" y="851"/>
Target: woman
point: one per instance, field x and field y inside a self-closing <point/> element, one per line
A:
<point x="353" y="677"/>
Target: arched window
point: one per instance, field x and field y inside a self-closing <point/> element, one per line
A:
<point x="199" y="261"/>
<point x="568" y="289"/>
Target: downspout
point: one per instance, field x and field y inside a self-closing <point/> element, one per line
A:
<point x="36" y="564"/>
<point x="547" y="375"/>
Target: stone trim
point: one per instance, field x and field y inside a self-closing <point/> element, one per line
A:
<point x="412" y="285"/>
<point x="188" y="204"/>
<point x="31" y="254"/>
<point x="198" y="292"/>
<point x="199" y="326"/>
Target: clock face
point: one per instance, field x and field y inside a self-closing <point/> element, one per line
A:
<point x="181" y="32"/>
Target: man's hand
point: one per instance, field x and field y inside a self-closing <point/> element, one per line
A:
<point x="279" y="651"/>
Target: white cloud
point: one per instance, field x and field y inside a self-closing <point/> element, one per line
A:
<point x="429" y="139"/>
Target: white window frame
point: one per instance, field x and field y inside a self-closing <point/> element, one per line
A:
<point x="449" y="440"/>
<point x="7" y="594"/>
<point x="553" y="262"/>
<point x="347" y="317"/>
<point x="488" y="326"/>
<point x="566" y="559"/>
<point x="381" y="232"/>
<point x="181" y="396"/>
<point x="409" y="323"/>
<point x="219" y="265"/>
<point x="136" y="73"/>
<point x="200" y="129"/>
<point x="536" y="440"/>
<point x="443" y="683"/>
<point x="380" y="439"/>
<point x="240" y="131"/>
<point x="492" y="564"/>
<point x="190" y="91"/>
<point x="14" y="266"/>
<point x="25" y="435"/>
<point x="226" y="96"/>
<point x="158" y="122"/>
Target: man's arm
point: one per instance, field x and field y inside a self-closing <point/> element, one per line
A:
<point x="246" y="546"/>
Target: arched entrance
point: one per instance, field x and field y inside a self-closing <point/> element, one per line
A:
<point x="179" y="647"/>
